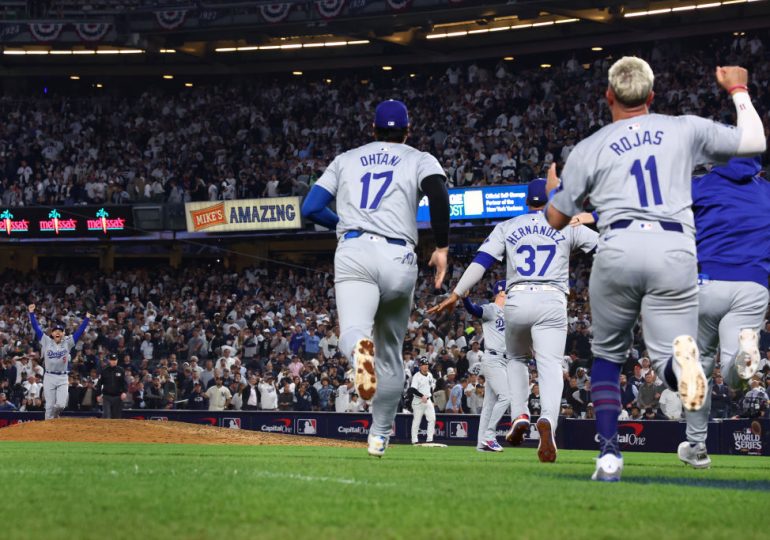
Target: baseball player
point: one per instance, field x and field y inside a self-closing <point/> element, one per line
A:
<point x="378" y="187"/>
<point x="637" y="173"/>
<point x="55" y="352"/>
<point x="494" y="366"/>
<point x="535" y="308"/>
<point x="421" y="394"/>
<point x="734" y="261"/>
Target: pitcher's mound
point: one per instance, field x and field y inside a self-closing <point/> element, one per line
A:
<point x="152" y="431"/>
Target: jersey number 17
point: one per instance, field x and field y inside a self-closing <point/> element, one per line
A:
<point x="366" y="181"/>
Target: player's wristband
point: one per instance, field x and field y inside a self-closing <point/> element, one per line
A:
<point x="737" y="87"/>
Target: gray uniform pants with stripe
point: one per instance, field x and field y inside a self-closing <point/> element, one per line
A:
<point x="374" y="285"/>
<point x="651" y="272"/>
<point x="536" y="321"/>
<point x="56" y="393"/>
<point x="726" y="308"/>
<point x="497" y="395"/>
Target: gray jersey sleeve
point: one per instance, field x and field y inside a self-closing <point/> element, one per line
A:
<point x="427" y="166"/>
<point x="711" y="141"/>
<point x="330" y="178"/>
<point x="488" y="312"/>
<point x="68" y="342"/>
<point x="584" y="239"/>
<point x="494" y="245"/>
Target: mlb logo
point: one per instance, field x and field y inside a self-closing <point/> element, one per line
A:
<point x="645" y="226"/>
<point x="458" y="430"/>
<point x="306" y="426"/>
<point x="634" y="127"/>
<point x="231" y="423"/>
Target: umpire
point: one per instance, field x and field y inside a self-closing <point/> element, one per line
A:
<point x="111" y="388"/>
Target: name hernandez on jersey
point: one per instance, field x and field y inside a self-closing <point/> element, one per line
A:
<point x="535" y="252"/>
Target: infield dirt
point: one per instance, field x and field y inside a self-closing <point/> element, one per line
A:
<point x="151" y="431"/>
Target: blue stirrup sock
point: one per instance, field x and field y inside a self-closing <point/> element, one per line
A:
<point x="605" y="392"/>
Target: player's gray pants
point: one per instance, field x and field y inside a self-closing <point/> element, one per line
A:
<point x="497" y="395"/>
<point x="536" y="321"/>
<point x="726" y="308"/>
<point x="56" y="392"/>
<point x="374" y="284"/>
<point x="651" y="272"/>
<point x="420" y="409"/>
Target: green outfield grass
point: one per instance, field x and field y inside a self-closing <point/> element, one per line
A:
<point x="146" y="491"/>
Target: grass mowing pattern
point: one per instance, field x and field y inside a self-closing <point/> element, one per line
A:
<point x="148" y="491"/>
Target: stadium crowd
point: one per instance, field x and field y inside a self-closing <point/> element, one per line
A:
<point x="487" y="123"/>
<point x="270" y="338"/>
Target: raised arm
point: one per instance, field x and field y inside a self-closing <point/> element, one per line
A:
<point x="735" y="79"/>
<point x="81" y="328"/>
<point x="33" y="321"/>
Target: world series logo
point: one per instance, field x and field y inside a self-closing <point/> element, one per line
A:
<point x="748" y="440"/>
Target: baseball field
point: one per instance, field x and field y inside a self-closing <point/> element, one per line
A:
<point x="111" y="490"/>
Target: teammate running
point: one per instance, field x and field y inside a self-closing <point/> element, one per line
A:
<point x="378" y="187"/>
<point x="55" y="351"/>
<point x="734" y="260"/>
<point x="637" y="173"/>
<point x="535" y="310"/>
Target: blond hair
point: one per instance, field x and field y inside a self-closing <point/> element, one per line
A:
<point x="631" y="79"/>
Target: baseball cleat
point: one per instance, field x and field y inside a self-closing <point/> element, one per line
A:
<point x="546" y="449"/>
<point x="608" y="468"/>
<point x="377" y="445"/>
<point x="490" y="446"/>
<point x="747" y="359"/>
<point x="692" y="379"/>
<point x="695" y="456"/>
<point x="365" y="380"/>
<point x="518" y="431"/>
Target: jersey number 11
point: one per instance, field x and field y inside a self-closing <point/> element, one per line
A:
<point x="651" y="167"/>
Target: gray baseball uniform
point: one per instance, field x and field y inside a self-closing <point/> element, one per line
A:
<point x="494" y="367"/>
<point x="636" y="172"/>
<point x="56" y="357"/>
<point x="377" y="188"/>
<point x="537" y="261"/>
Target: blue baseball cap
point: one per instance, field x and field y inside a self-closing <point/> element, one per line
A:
<point x="498" y="287"/>
<point x="536" y="195"/>
<point x="391" y="114"/>
<point x="58" y="326"/>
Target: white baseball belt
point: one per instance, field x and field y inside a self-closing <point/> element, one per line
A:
<point x="531" y="287"/>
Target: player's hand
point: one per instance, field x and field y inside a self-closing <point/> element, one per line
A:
<point x="439" y="260"/>
<point x="552" y="179"/>
<point x="424" y="399"/>
<point x="88" y="315"/>
<point x="98" y="399"/>
<point x="123" y="396"/>
<point x="584" y="218"/>
<point x="730" y="76"/>
<point x="446" y="305"/>
<point x="31" y="308"/>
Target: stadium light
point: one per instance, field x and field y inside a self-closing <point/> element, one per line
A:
<point x="387" y="68"/>
<point x="167" y="51"/>
<point x="296" y="73"/>
<point x="168" y="77"/>
<point x="597" y="49"/>
<point x="99" y="85"/>
<point x="545" y="66"/>
<point x="188" y="85"/>
<point x="508" y="58"/>
<point x="74" y="77"/>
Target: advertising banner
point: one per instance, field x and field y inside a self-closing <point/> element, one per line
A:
<point x="243" y="215"/>
<point x="489" y="202"/>
<point x="67" y="222"/>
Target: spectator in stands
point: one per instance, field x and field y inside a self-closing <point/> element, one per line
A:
<point x="720" y="398"/>
<point x="534" y="400"/>
<point x="6" y="405"/>
<point x="268" y="393"/>
<point x="649" y="394"/>
<point x="628" y="392"/>
<point x="764" y="339"/>
<point x="286" y="396"/>
<point x="250" y="396"/>
<point x="197" y="400"/>
<point x="219" y="396"/>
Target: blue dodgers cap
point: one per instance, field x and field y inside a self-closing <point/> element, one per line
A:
<point x="58" y="326"/>
<point x="391" y="114"/>
<point x="536" y="195"/>
<point x="498" y="287"/>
